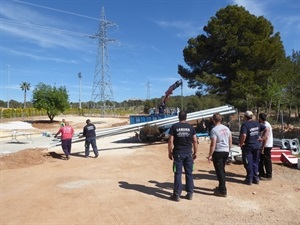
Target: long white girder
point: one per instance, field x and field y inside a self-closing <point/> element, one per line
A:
<point x="223" y="110"/>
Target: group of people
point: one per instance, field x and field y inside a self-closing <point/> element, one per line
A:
<point x="67" y="133"/>
<point x="256" y="142"/>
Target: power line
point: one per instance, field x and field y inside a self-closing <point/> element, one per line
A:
<point x="30" y="25"/>
<point x="56" y="10"/>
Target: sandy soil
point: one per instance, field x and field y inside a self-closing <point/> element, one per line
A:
<point x="130" y="183"/>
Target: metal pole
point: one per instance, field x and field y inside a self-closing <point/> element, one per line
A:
<point x="238" y="112"/>
<point x="79" y="76"/>
<point x="8" y="71"/>
<point x="181" y="95"/>
<point x="223" y="110"/>
<point x="282" y="128"/>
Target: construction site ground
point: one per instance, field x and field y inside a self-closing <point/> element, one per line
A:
<point x="130" y="183"/>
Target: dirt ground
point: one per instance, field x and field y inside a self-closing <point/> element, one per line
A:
<point x="130" y="183"/>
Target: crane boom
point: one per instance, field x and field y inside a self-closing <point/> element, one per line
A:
<point x="168" y="93"/>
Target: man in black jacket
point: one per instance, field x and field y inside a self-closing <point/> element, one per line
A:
<point x="90" y="138"/>
<point x="182" y="149"/>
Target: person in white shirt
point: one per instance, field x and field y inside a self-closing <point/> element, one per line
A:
<point x="265" y="162"/>
<point x="220" y="144"/>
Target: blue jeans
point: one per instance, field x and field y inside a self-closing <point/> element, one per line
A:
<point x="66" y="146"/>
<point x="90" y="141"/>
<point x="251" y="160"/>
<point x="183" y="160"/>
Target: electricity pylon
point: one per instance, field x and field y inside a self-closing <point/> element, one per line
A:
<point x="102" y="88"/>
<point x="148" y="90"/>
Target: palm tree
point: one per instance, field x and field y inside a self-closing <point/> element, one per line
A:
<point x="25" y="87"/>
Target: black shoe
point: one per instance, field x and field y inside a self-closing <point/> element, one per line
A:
<point x="189" y="196"/>
<point x="248" y="182"/>
<point x="216" y="189"/>
<point x="256" y="181"/>
<point x="266" y="178"/>
<point x="175" y="198"/>
<point x="221" y="194"/>
<point x="96" y="156"/>
<point x="218" y="193"/>
<point x="68" y="157"/>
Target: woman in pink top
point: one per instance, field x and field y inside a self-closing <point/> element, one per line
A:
<point x="66" y="138"/>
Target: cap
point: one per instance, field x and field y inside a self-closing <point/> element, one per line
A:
<point x="249" y="114"/>
<point x="88" y="120"/>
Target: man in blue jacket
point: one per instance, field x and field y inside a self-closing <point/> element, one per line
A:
<point x="250" y="143"/>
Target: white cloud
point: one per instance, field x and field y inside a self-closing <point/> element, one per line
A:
<point x="38" y="29"/>
<point x="35" y="56"/>
<point x="185" y="29"/>
<point x="292" y="21"/>
<point x="258" y="8"/>
<point x="17" y="13"/>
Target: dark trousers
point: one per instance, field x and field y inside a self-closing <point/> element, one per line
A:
<point x="183" y="161"/>
<point x="219" y="160"/>
<point x="265" y="163"/>
<point x="90" y="141"/>
<point x="250" y="160"/>
<point x="66" y="146"/>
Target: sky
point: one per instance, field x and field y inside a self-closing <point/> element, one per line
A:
<point x="50" y="42"/>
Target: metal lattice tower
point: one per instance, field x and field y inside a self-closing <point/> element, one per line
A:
<point x="148" y="90"/>
<point x="102" y="89"/>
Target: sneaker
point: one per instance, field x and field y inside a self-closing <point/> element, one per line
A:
<point x="68" y="157"/>
<point x="175" y="198"/>
<point x="189" y="196"/>
<point x="96" y="156"/>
